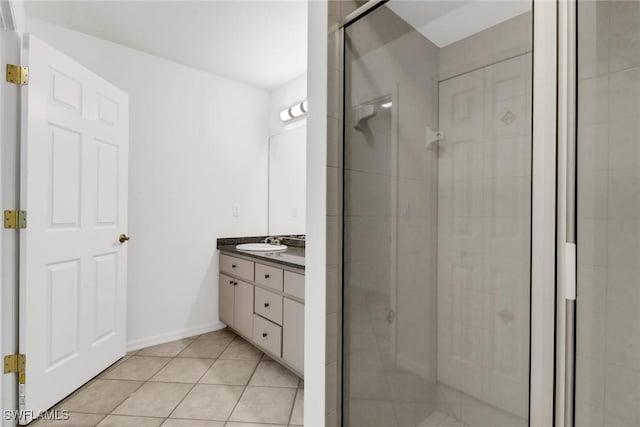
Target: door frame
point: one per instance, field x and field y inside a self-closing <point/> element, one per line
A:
<point x="12" y="23"/>
<point x="543" y="215"/>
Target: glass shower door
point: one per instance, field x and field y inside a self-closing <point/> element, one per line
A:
<point x="608" y="214"/>
<point x="437" y="215"/>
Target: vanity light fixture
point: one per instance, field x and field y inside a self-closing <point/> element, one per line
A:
<point x="293" y="112"/>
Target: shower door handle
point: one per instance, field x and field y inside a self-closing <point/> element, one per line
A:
<point x="391" y="316"/>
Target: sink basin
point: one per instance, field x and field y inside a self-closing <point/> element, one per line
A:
<point x="261" y="247"/>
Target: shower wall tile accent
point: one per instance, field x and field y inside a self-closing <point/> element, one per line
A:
<point x="608" y="306"/>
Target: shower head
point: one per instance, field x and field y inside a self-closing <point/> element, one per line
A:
<point x="362" y="113"/>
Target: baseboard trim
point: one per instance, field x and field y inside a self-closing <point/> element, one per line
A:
<point x="172" y="336"/>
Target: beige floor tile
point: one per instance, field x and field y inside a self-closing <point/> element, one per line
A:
<point x="265" y="405"/>
<point x="154" y="400"/>
<point x="192" y="423"/>
<point x="205" y="348"/>
<point x="222" y="335"/>
<point x="170" y="349"/>
<point x="297" y="416"/>
<point x="124" y="421"/>
<point x="242" y="350"/>
<point x="232" y="424"/>
<point x="273" y="374"/>
<point x="136" y="368"/>
<point x="209" y="402"/>
<point x="183" y="370"/>
<point x="100" y="396"/>
<point x="75" y="420"/>
<point x="230" y="371"/>
<point x="116" y="363"/>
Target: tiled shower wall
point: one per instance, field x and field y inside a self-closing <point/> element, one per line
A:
<point x="608" y="337"/>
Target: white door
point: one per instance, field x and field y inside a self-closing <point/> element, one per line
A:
<point x="460" y="233"/>
<point x="484" y="190"/>
<point x="73" y="268"/>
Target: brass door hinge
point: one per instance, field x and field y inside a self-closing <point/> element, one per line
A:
<point x="15" y="219"/>
<point x="17" y="74"/>
<point x="16" y="363"/>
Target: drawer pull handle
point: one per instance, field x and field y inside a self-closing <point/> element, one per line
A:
<point x="266" y="304"/>
<point x="235" y="283"/>
<point x="266" y="276"/>
<point x="264" y="335"/>
<point x="233" y="266"/>
<point x="231" y="282"/>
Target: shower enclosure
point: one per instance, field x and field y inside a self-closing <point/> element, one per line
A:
<point x="437" y="223"/>
<point x="607" y="333"/>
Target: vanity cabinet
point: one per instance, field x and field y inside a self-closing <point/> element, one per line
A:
<point x="264" y="303"/>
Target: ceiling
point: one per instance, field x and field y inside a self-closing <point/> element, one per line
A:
<point x="446" y="21"/>
<point x="261" y="43"/>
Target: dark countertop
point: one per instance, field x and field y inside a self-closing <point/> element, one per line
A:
<point x="292" y="257"/>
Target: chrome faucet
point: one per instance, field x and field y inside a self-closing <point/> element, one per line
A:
<point x="272" y="240"/>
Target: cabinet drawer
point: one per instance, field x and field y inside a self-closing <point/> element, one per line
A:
<point x="294" y="284"/>
<point x="236" y="266"/>
<point x="268" y="305"/>
<point x="269" y="276"/>
<point x="267" y="335"/>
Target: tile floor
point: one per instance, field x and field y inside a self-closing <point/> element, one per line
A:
<point x="212" y="380"/>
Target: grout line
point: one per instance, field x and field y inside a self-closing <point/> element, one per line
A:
<point x="293" y="405"/>
<point x="244" y="389"/>
<point x="141" y="384"/>
<point x="197" y="382"/>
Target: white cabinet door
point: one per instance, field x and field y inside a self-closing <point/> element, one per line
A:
<point x="73" y="269"/>
<point x="293" y="334"/>
<point x="243" y="308"/>
<point x="226" y="304"/>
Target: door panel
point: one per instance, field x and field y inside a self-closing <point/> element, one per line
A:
<point x="227" y="291"/>
<point x="460" y="233"/>
<point x="74" y="186"/>
<point x="436" y="222"/>
<point x="293" y="333"/>
<point x="484" y="209"/>
<point x="243" y="309"/>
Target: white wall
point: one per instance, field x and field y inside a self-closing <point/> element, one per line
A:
<point x="283" y="97"/>
<point x="198" y="146"/>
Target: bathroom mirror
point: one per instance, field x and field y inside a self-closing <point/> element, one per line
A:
<point x="287" y="181"/>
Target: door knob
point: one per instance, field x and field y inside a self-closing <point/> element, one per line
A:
<point x="123" y="238"/>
